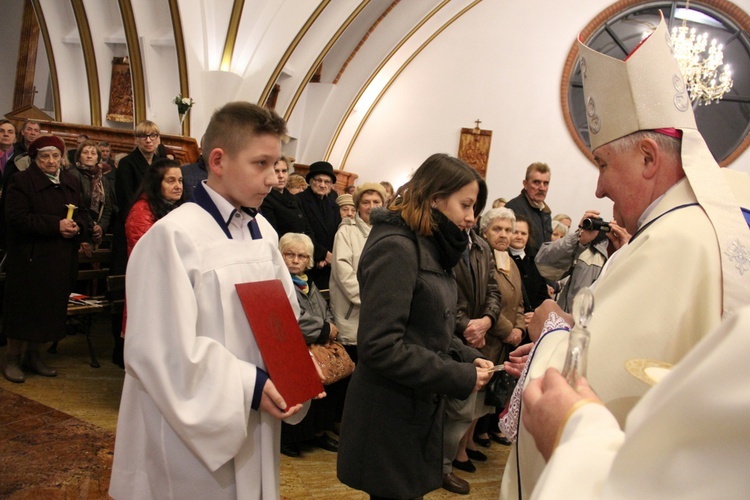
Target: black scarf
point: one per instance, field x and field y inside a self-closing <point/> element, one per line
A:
<point x="450" y="240"/>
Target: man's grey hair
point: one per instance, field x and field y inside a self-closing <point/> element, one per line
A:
<point x="669" y="145"/>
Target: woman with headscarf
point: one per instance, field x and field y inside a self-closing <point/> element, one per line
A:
<point x="44" y="233"/>
<point x="98" y="193"/>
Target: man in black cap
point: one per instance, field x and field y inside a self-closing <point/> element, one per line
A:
<point x="323" y="213"/>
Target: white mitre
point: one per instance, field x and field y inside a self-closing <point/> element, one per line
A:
<point x="646" y="91"/>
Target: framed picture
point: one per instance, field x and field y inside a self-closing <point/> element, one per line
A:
<point x="120" y="92"/>
<point x="474" y="148"/>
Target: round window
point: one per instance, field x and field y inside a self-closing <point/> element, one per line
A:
<point x="619" y="29"/>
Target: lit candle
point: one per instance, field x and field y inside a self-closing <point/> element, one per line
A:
<point x="71" y="210"/>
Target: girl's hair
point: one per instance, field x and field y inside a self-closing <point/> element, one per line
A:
<point x="151" y="187"/>
<point x="438" y="177"/>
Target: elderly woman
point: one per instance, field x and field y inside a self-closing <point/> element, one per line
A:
<point x="98" y="193"/>
<point x="43" y="241"/>
<point x="316" y="323"/>
<point x="497" y="228"/>
<point x="347" y="210"/>
<point x="347" y="247"/>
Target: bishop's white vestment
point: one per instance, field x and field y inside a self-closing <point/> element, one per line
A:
<point x="687" y="438"/>
<point x="656" y="299"/>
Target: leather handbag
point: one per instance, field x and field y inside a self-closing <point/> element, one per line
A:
<point x="499" y="389"/>
<point x="333" y="360"/>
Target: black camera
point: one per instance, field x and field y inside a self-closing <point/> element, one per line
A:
<point x="595" y="224"/>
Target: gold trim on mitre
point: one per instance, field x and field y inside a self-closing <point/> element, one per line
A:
<point x="645" y="91"/>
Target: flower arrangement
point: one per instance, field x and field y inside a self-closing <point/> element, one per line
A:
<point x="183" y="103"/>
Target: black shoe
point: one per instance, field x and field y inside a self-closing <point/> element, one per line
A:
<point x="499" y="439"/>
<point x="476" y="455"/>
<point x="325" y="443"/>
<point x="455" y="484"/>
<point x="466" y="466"/>
<point x="483" y="442"/>
<point x="290" y="450"/>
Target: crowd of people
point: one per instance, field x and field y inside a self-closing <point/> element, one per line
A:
<point x="429" y="295"/>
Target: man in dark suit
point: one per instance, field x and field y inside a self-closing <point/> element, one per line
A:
<point x="323" y="214"/>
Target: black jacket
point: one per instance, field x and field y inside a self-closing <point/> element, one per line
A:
<point x="284" y="212"/>
<point x="391" y="442"/>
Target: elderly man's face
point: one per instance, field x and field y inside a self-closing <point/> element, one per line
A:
<point x="321" y="184"/>
<point x="621" y="181"/>
<point x="536" y="186"/>
<point x="30" y="132"/>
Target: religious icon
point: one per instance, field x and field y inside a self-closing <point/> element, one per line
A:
<point x="474" y="148"/>
<point x="120" y="92"/>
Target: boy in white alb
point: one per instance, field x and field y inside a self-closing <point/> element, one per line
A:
<point x="199" y="416"/>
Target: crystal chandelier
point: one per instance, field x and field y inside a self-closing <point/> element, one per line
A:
<point x="705" y="80"/>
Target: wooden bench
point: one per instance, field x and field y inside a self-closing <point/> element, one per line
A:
<point x="84" y="311"/>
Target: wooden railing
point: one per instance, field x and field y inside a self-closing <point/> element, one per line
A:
<point x="185" y="149"/>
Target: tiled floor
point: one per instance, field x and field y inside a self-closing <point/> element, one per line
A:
<point x="91" y="396"/>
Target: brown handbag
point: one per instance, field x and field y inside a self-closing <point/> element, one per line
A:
<point x="333" y="360"/>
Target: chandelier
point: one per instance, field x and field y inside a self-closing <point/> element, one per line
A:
<point x="707" y="81"/>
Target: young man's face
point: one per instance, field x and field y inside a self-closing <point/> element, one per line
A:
<point x="106" y="152"/>
<point x="282" y="172"/>
<point x="536" y="185"/>
<point x="245" y="178"/>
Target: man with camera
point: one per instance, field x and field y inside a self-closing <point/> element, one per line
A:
<point x="578" y="257"/>
<point x="685" y="266"/>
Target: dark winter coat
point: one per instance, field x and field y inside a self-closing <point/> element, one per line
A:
<point x="478" y="293"/>
<point x="130" y="173"/>
<point x="540" y="220"/>
<point x="284" y="212"/>
<point x="391" y="441"/>
<point x="102" y="218"/>
<point x="41" y="264"/>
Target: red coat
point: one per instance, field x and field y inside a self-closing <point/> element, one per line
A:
<point x="140" y="219"/>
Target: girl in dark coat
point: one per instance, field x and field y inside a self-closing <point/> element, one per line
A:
<point x="391" y="442"/>
<point x="43" y="242"/>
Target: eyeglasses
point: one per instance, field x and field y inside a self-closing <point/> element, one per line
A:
<point x="322" y="180"/>
<point x="298" y="256"/>
<point x="153" y="136"/>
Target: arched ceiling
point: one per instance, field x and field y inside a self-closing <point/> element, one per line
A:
<point x="332" y="60"/>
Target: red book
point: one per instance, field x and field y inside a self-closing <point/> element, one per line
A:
<point x="280" y="340"/>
